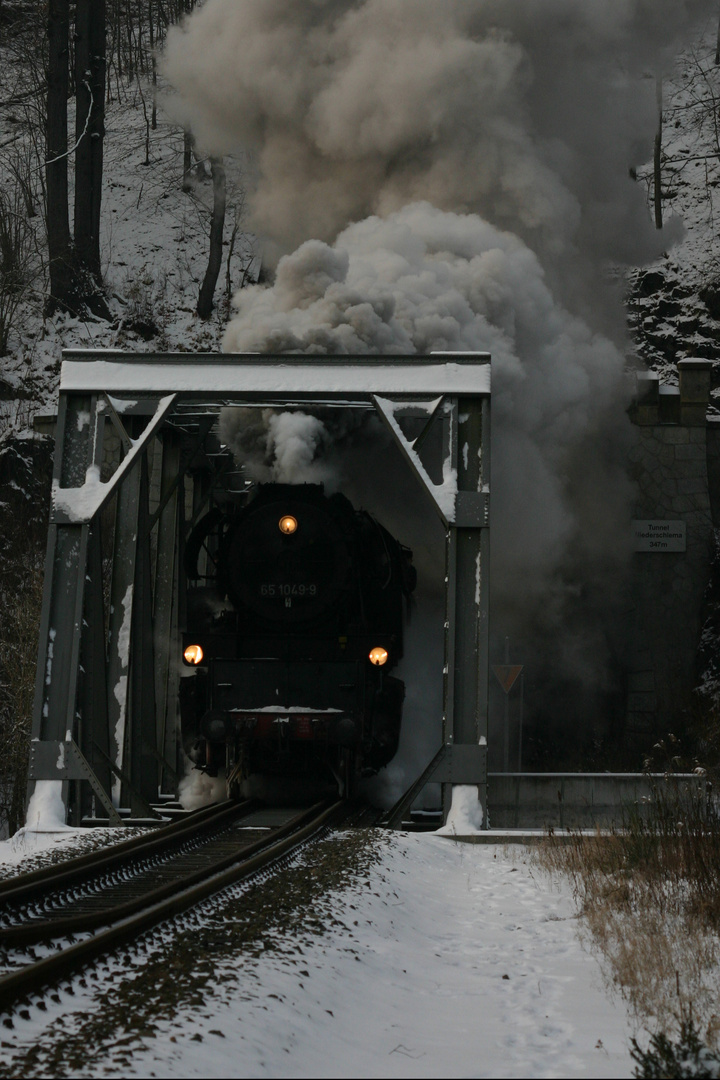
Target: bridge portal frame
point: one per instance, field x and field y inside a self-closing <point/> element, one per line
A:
<point x="106" y="687"/>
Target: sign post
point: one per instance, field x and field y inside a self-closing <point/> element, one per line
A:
<point x="506" y="674"/>
<point x="660" y="536"/>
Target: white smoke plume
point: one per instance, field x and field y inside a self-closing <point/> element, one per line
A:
<point x="439" y="176"/>
<point x="197" y="789"/>
<point x="291" y="447"/>
<point x="275" y="447"/>
<point x="527" y="113"/>
<point x="423" y="280"/>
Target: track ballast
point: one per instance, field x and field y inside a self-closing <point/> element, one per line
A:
<point x="121" y="892"/>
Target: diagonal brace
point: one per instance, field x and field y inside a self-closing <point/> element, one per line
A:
<point x="442" y="495"/>
<point x="72" y="506"/>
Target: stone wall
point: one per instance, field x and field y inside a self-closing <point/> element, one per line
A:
<point x="669" y="463"/>
<point x="578" y="800"/>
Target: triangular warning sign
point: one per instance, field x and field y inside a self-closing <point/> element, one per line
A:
<point x="506" y="674"/>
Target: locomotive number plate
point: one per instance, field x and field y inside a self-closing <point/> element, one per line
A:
<point x="274" y="588"/>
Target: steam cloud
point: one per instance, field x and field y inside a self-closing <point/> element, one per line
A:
<point x="439" y="176"/>
<point x="198" y="789"/>
<point x="291" y="447"/>
<point x="528" y="114"/>
<point x="422" y="280"/>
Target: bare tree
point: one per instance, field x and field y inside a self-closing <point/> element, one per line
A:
<point x="657" y="154"/>
<point x="89" y="134"/>
<point x="18" y="259"/>
<point x="217" y="224"/>
<point x="60" y="252"/>
<point x="187" y="162"/>
<point x="75" y="277"/>
<point x="153" y="60"/>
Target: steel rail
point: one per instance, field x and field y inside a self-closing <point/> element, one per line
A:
<point x="31" y="928"/>
<point x="25" y="887"/>
<point x="158" y="905"/>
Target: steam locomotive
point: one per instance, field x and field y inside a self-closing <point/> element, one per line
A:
<point x="293" y="642"/>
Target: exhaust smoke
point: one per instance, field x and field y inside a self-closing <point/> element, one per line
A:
<point x="528" y="114"/>
<point x="455" y="176"/>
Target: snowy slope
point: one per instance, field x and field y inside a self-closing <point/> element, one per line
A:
<point x="154" y="251"/>
<point x="674" y="303"/>
<point x="440" y="959"/>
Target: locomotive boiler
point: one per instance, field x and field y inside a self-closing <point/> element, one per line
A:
<point x="293" y="641"/>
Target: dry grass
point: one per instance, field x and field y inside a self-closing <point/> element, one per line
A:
<point x="650" y="896"/>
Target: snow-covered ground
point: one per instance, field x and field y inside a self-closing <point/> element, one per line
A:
<point x="441" y="959"/>
<point x="48" y="841"/>
<point x="418" y="989"/>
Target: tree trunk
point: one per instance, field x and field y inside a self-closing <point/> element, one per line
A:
<point x="90" y="132"/>
<point x="153" y="61"/>
<point x="217" y="223"/>
<point x="56" y="168"/>
<point x="657" y="156"/>
<point x="187" y="161"/>
<point x="117" y="37"/>
<point x="130" y="57"/>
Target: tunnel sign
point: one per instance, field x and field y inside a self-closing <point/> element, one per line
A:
<point x="506" y="674"/>
<point x="659" y="535"/>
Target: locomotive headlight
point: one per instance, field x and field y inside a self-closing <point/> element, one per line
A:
<point x="287" y="524"/>
<point x="378" y="656"/>
<point x="193" y="654"/>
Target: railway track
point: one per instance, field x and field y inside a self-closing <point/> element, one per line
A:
<point x="111" y="896"/>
